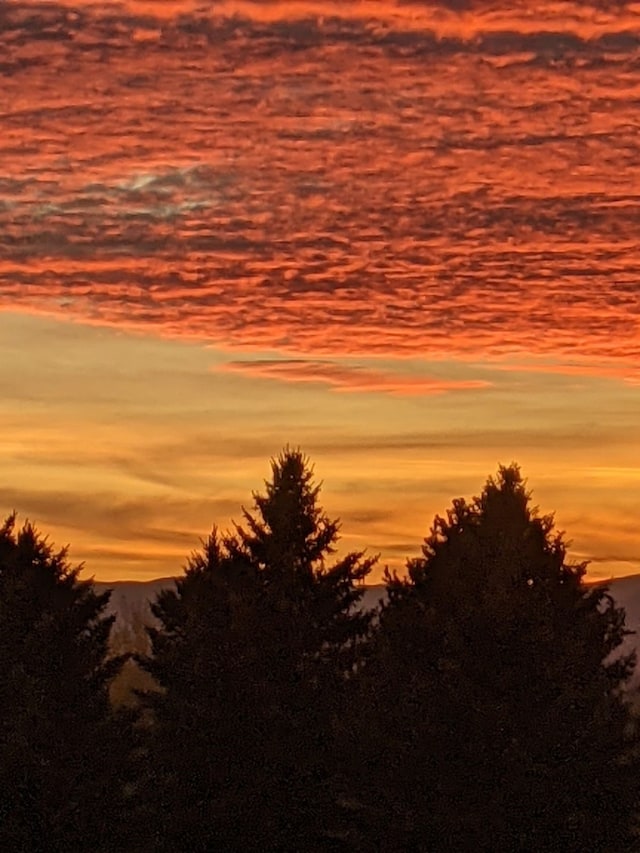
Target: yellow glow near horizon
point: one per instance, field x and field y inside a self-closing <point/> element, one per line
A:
<point x="130" y="448"/>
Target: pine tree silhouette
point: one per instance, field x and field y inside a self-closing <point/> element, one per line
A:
<point x="251" y="653"/>
<point x="62" y="753"/>
<point x="492" y="714"/>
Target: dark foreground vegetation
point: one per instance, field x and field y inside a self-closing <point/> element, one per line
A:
<point x="480" y="708"/>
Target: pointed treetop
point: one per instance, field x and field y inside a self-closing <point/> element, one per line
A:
<point x="493" y="542"/>
<point x="287" y="531"/>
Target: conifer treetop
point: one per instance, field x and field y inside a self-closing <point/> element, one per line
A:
<point x="287" y="527"/>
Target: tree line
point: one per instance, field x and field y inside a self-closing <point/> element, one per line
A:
<point x="479" y="707"/>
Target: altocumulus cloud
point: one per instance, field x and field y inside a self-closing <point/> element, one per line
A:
<point x="243" y="176"/>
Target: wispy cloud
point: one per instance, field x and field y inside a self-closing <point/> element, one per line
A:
<point x="347" y="378"/>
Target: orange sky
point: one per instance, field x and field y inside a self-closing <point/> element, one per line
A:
<point x="402" y="235"/>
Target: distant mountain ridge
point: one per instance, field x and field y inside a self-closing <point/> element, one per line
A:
<point x="132" y="598"/>
<point x="130" y="601"/>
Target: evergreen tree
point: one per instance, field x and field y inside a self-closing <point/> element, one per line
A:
<point x="197" y="754"/>
<point x="285" y="544"/>
<point x="311" y="632"/>
<point x="248" y="646"/>
<point x="61" y="777"/>
<point x="493" y="716"/>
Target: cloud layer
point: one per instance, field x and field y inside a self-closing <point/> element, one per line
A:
<point x="321" y="179"/>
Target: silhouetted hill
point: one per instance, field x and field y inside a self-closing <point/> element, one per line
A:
<point x="130" y="603"/>
<point x="130" y="599"/>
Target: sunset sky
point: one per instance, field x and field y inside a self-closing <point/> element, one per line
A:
<point x="402" y="235"/>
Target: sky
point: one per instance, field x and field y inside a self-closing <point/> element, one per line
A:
<point x="401" y="235"/>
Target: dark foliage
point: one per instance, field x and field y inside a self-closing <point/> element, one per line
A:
<point x="253" y="649"/>
<point x="491" y="716"/>
<point x="480" y="709"/>
<point x="61" y="773"/>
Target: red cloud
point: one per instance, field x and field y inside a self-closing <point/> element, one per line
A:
<point x="421" y="203"/>
<point x="343" y="378"/>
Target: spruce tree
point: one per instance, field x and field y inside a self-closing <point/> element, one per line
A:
<point x="286" y="543"/>
<point x="61" y="759"/>
<point x="250" y="654"/>
<point x="311" y="630"/>
<point x="499" y="721"/>
<point x="198" y="758"/>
